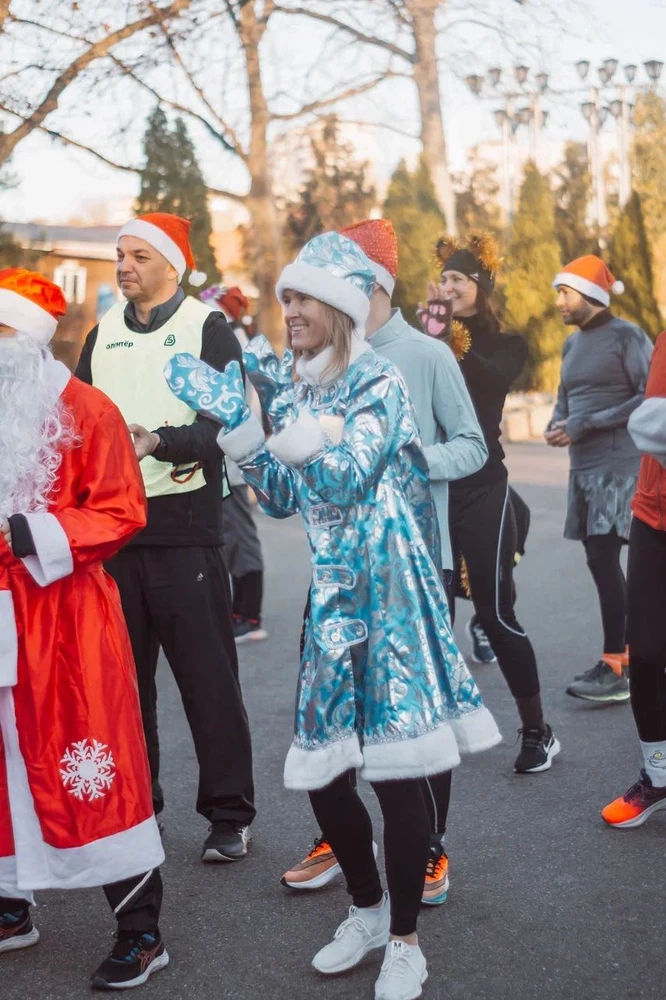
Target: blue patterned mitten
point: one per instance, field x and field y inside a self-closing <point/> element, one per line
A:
<point x="219" y="395"/>
<point x="273" y="381"/>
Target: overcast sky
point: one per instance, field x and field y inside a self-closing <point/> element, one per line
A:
<point x="58" y="184"/>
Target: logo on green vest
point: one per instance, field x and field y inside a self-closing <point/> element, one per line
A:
<point x="170" y="341"/>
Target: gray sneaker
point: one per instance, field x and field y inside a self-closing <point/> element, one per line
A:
<point x="600" y="684"/>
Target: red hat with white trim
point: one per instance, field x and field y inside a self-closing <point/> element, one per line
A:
<point x="590" y="276"/>
<point x="31" y="303"/>
<point x="377" y="239"/>
<point x="170" y="236"/>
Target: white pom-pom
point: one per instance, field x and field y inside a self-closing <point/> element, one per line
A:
<point x="197" y="278"/>
<point x="617" y="287"/>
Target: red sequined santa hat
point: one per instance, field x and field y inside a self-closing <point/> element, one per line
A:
<point x="30" y="303"/>
<point x="170" y="236"/>
<point x="377" y="239"/>
<point x="590" y="276"/>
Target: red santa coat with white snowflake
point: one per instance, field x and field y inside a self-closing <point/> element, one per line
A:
<point x="75" y="800"/>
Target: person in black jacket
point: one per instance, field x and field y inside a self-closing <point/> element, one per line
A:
<point x="481" y="518"/>
<point x="172" y="578"/>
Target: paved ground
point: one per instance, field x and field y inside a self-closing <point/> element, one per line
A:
<point x="545" y="904"/>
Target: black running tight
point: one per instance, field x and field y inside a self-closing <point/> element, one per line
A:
<point x="603" y="560"/>
<point x="646" y="629"/>
<point x="483" y="532"/>
<point x="347" y="827"/>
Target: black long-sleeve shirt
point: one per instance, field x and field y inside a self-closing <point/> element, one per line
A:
<point x="183" y="518"/>
<point x="493" y="362"/>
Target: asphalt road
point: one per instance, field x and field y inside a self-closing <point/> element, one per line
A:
<point x="545" y="903"/>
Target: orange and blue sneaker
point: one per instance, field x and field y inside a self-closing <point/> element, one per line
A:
<point x="436" y="887"/>
<point x="636" y="805"/>
<point x="317" y="869"/>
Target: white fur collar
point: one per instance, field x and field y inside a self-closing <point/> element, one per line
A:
<point x="57" y="374"/>
<point x="312" y="368"/>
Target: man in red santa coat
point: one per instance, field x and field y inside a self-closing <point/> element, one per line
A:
<point x="75" y="799"/>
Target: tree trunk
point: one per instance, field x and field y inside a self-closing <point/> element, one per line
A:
<point x="426" y="78"/>
<point x="265" y="244"/>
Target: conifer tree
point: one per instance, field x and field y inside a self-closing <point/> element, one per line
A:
<point x="631" y="262"/>
<point x="334" y="194"/>
<point x="573" y="190"/>
<point x="171" y="181"/>
<point x="532" y="261"/>
<point x="412" y="206"/>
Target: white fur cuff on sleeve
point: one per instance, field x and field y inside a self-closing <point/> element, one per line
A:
<point x="53" y="559"/>
<point x="243" y="442"/>
<point x="300" y="442"/>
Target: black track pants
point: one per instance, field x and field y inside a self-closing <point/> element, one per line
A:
<point x="646" y="629"/>
<point x="178" y="598"/>
<point x="603" y="560"/>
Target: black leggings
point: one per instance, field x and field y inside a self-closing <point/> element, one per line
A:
<point x="603" y="560"/>
<point x="483" y="532"/>
<point x="347" y="827"/>
<point x="646" y="629"/>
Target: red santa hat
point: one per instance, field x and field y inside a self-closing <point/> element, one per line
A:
<point x="170" y="236"/>
<point x="233" y="303"/>
<point x="31" y="303"/>
<point x="377" y="239"/>
<point x="590" y="276"/>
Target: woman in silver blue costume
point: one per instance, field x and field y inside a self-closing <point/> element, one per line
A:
<point x="382" y="686"/>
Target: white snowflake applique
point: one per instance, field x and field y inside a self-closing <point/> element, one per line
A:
<point x="89" y="769"/>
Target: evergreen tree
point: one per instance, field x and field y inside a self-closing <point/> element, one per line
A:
<point x="477" y="207"/>
<point x="533" y="260"/>
<point x="649" y="167"/>
<point x="12" y="253"/>
<point x="573" y="192"/>
<point x="171" y="181"/>
<point x="334" y="194"/>
<point x="412" y="206"/>
<point x="630" y="261"/>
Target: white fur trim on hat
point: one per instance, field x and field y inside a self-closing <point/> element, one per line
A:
<point x="197" y="278"/>
<point x="158" y="239"/>
<point x="384" y="277"/>
<point x="583" y="285"/>
<point x="25" y="315"/>
<point x="327" y="287"/>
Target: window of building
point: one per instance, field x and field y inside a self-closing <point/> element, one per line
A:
<point x="72" y="278"/>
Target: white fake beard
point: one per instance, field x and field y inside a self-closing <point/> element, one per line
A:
<point x="34" y="428"/>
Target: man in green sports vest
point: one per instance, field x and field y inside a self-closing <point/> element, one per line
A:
<point x="172" y="578"/>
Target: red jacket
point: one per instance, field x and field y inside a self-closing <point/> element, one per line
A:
<point x="647" y="426"/>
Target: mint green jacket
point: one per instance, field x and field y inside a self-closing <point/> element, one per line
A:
<point x="450" y="433"/>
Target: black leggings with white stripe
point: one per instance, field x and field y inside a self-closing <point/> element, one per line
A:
<point x="483" y="532"/>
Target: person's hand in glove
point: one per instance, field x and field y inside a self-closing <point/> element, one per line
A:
<point x="218" y="395"/>
<point x="273" y="380"/>
<point x="435" y="316"/>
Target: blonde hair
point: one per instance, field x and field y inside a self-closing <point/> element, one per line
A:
<point x="339" y="329"/>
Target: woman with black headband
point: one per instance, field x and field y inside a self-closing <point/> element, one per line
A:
<point x="482" y="525"/>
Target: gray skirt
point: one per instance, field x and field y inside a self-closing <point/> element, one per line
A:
<point x="597" y="503"/>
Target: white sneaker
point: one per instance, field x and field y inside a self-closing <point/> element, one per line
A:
<point x="362" y="931"/>
<point x="403" y="972"/>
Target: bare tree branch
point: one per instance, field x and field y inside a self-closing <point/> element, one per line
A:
<point x="96" y="51"/>
<point x="356" y="33"/>
<point x="343" y="95"/>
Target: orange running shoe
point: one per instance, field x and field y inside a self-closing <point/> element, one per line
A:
<point x="316" y="870"/>
<point x="636" y="805"/>
<point x="436" y="886"/>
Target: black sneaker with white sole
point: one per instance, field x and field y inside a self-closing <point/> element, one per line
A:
<point x="601" y="684"/>
<point x="482" y="651"/>
<point x="538" y="749"/>
<point x="134" y="958"/>
<point x="17" y="931"/>
<point x="226" y="842"/>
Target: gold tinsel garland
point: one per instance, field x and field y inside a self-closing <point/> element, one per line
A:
<point x="460" y="339"/>
<point x="482" y="245"/>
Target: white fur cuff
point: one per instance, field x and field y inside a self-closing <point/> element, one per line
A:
<point x="244" y="442"/>
<point x="476" y="731"/>
<point x="307" y="770"/>
<point x="8" y="640"/>
<point x="417" y="757"/>
<point x="53" y="560"/>
<point x="299" y="443"/>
